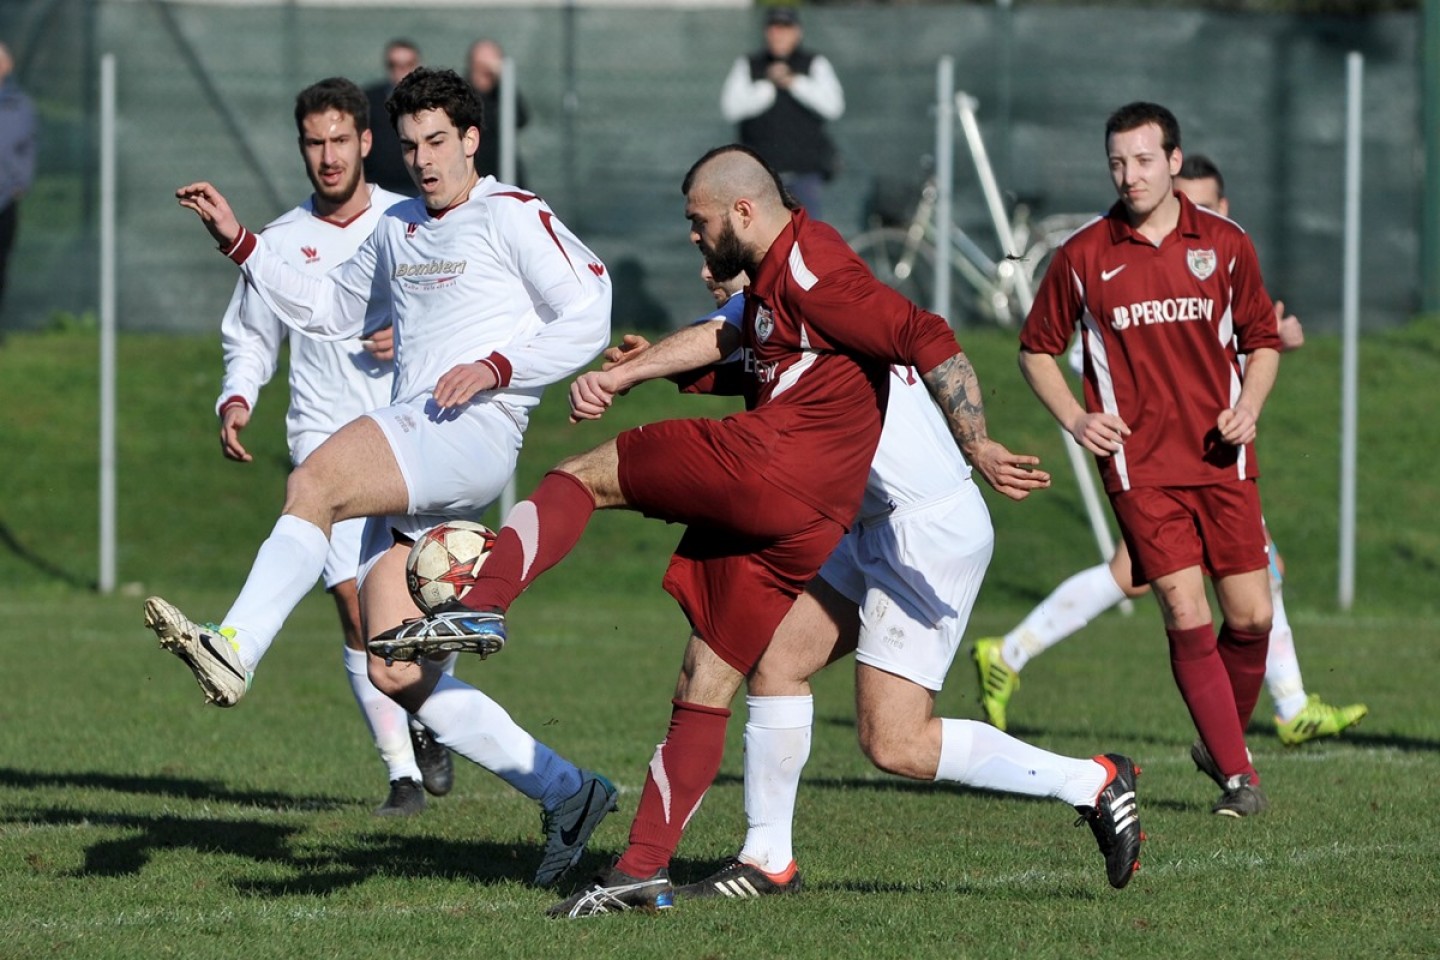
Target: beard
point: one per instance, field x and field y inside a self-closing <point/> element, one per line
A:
<point x="728" y="258"/>
<point x="342" y="191"/>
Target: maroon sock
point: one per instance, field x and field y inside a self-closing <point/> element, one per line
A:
<point x="1244" y="655"/>
<point x="1205" y="686"/>
<point x="537" y="534"/>
<point x="681" y="771"/>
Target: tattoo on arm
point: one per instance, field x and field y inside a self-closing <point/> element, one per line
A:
<point x="956" y="389"/>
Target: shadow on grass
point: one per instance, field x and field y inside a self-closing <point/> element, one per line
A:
<point x="10" y="542"/>
<point x="319" y="870"/>
<point x="150" y="834"/>
<point x="210" y="790"/>
<point x="338" y="866"/>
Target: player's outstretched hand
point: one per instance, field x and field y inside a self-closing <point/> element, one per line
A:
<point x="213" y="209"/>
<point x="1236" y="426"/>
<point x="631" y="346"/>
<point x="459" y="385"/>
<point x="1101" y="433"/>
<point x="591" y="395"/>
<point x="380" y="344"/>
<point x="1012" y="474"/>
<point x="234" y="418"/>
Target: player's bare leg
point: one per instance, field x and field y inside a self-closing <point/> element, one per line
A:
<point x="408" y="771"/>
<point x="351" y="474"/>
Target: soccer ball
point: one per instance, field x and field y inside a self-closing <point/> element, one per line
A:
<point x="443" y="563"/>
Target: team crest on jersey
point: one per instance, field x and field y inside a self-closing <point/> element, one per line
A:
<point x="1201" y="263"/>
<point x="764" y="324"/>
<point x="311" y="254"/>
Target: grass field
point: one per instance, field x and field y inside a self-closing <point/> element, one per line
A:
<point x="136" y="823"/>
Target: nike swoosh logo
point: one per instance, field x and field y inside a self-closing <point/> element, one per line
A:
<point x="1107" y="274"/>
<point x="205" y="642"/>
<point x="568" y="836"/>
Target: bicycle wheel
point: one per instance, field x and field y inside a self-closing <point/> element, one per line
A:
<point x="899" y="260"/>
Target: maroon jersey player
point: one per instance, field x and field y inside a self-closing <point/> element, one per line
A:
<point x="1167" y="296"/>
<point x="765" y="494"/>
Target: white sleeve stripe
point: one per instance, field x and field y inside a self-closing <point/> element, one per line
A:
<point x="792" y="374"/>
<point x="1104" y="386"/>
<point x="799" y="270"/>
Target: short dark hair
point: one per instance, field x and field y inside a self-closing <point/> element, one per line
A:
<point x="1201" y="167"/>
<point x="785" y="196"/>
<point x="427" y="89"/>
<point x="332" y="93"/>
<point x="403" y="43"/>
<point x="1132" y="116"/>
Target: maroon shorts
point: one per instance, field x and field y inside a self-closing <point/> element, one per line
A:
<point x="750" y="547"/>
<point x="1216" y="527"/>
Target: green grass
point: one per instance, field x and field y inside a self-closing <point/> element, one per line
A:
<point x="136" y="823"/>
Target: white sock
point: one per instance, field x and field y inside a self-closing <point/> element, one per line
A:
<point x="1282" y="667"/>
<point x="387" y="720"/>
<point x="479" y="729"/>
<point x="447" y="667"/>
<point x="777" y="744"/>
<point x="977" y="755"/>
<point x="1069" y="607"/>
<point x="285" y="569"/>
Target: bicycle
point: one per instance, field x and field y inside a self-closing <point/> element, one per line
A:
<point x="904" y="257"/>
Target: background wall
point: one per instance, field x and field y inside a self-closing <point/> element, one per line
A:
<point x="622" y="100"/>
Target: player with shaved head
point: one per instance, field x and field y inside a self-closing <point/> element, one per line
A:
<point x="766" y="494"/>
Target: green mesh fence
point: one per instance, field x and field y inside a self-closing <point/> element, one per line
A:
<point x="623" y="100"/>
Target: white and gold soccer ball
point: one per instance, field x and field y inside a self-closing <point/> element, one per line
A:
<point x="443" y="563"/>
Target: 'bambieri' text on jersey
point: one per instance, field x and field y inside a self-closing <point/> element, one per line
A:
<point x="1163" y="327"/>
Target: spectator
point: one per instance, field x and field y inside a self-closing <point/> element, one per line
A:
<point x="486" y="59"/>
<point x="782" y="96"/>
<point x="384" y="167"/>
<point x="17" y="156"/>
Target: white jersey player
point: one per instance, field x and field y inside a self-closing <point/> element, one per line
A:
<point x="331" y="383"/>
<point x="491" y="299"/>
<point x="898" y="591"/>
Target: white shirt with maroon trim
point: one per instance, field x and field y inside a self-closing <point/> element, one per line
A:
<point x="1163" y="327"/>
<point x="496" y="278"/>
<point x="331" y="382"/>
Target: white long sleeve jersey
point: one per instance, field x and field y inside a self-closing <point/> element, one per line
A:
<point x="331" y="383"/>
<point x="496" y="278"/>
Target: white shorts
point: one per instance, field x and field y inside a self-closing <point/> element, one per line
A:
<point x="342" y="562"/>
<point x="455" y="464"/>
<point x="915" y="574"/>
